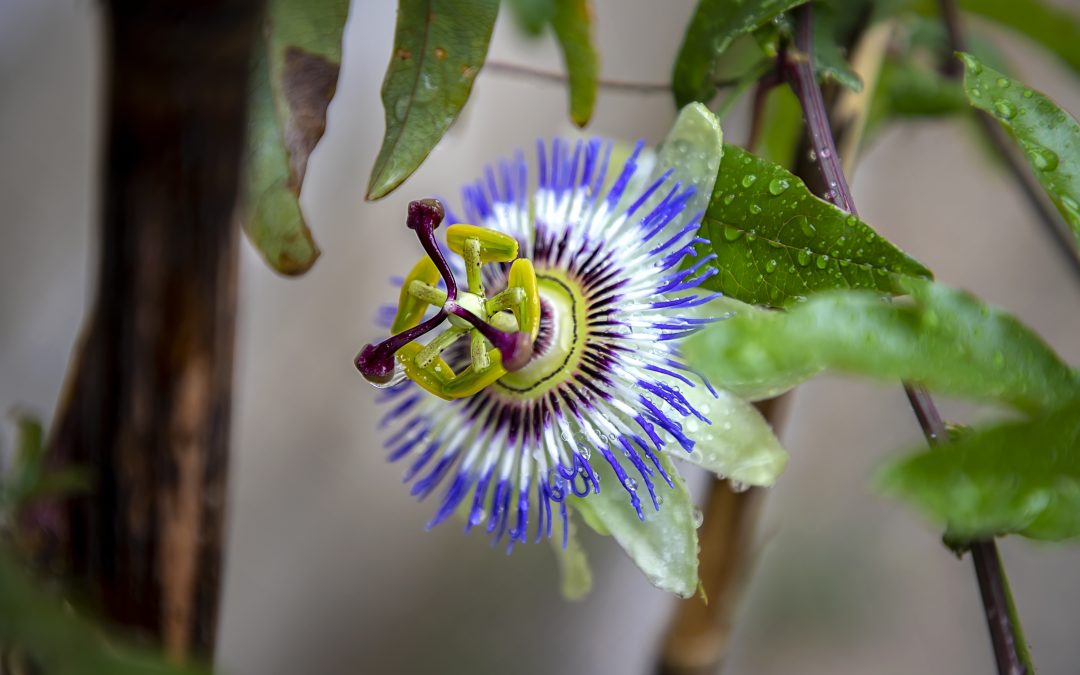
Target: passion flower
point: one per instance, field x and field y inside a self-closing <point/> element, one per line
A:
<point x="549" y="355"/>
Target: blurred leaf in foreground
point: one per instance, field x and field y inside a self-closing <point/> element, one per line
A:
<point x="39" y="626"/>
<point x="1021" y="478"/>
<point x="944" y="339"/>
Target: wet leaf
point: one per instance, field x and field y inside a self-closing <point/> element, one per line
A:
<point x="294" y="79"/>
<point x="573" y="21"/>
<point x="775" y="241"/>
<point x="439" y="47"/>
<point x="1022" y="477"/>
<point x="664" y="545"/>
<point x="715" y="24"/>
<point x="1049" y="136"/>
<point x="944" y="339"/>
<point x="574" y="571"/>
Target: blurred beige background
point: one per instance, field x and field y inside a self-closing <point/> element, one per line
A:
<point x="329" y="569"/>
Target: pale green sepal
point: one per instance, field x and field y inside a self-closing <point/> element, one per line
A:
<point x="665" y="545"/>
<point x="738" y="445"/>
<point x="574" y="572"/>
<point x="692" y="151"/>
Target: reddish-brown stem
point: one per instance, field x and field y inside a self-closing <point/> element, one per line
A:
<point x="799" y="69"/>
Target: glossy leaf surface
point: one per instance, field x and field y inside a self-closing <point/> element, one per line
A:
<point x="775" y="241"/>
<point x="439" y="47"/>
<point x="1049" y="136"/>
<point x="715" y="24"/>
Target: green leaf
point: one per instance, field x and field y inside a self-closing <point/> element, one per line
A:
<point x="1022" y="477"/>
<point x="35" y="623"/>
<point x="1049" y="136"/>
<point x="944" y="339"/>
<point x="738" y="445"/>
<point x="664" y="545"/>
<point x="1055" y="29"/>
<point x="572" y="21"/>
<point x="713" y="27"/>
<point x="294" y="79"/>
<point x="775" y="241"/>
<point x="829" y="61"/>
<point x="532" y="16"/>
<point x="749" y="384"/>
<point x="439" y="47"/>
<point x="574" y="572"/>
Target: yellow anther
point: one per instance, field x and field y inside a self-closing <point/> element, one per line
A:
<point x="411" y="309"/>
<point x="527" y="311"/>
<point x="494" y="246"/>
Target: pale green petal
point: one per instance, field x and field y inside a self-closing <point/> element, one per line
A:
<point x="574" y="572"/>
<point x="739" y="444"/>
<point x="665" y="545"/>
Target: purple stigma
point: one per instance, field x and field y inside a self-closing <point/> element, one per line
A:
<point x="425" y="215"/>
<point x="376" y="362"/>
<point x="516" y="348"/>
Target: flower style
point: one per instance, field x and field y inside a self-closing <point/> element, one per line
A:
<point x="558" y="371"/>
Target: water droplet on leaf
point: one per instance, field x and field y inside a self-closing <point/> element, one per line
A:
<point x="777" y="186"/>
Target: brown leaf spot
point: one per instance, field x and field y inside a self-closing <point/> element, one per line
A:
<point x="404" y="54"/>
<point x="440" y="53"/>
<point x="468" y="71"/>
<point x="308" y="82"/>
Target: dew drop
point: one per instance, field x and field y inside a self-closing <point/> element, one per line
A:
<point x="804" y="257"/>
<point x="973" y="66"/>
<point x="805" y="226"/>
<point x="1028" y="93"/>
<point x="771" y="266"/>
<point x="1002" y="83"/>
<point x="755" y="209"/>
<point x="732" y="233"/>
<point x="1043" y="159"/>
<point x="1004" y="110"/>
<point x="698" y="518"/>
<point x="826" y="153"/>
<point x="777" y="186"/>
<point x="630" y="484"/>
<point x="822" y="261"/>
<point x="728" y="198"/>
<point x="748" y="180"/>
<point x="739" y="486"/>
